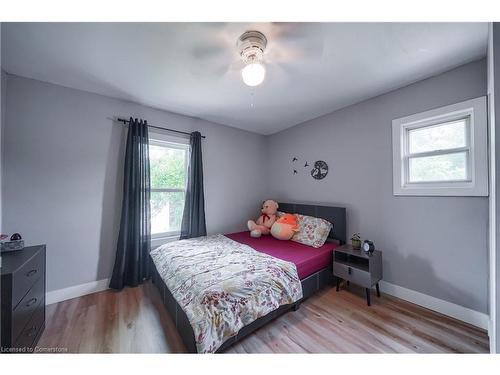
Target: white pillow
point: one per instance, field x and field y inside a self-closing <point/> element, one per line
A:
<point x="313" y="231"/>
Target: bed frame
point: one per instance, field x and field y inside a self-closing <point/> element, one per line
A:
<point x="310" y="285"/>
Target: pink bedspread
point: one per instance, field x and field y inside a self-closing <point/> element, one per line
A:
<point x="307" y="259"/>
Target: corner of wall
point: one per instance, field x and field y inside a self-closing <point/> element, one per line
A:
<point x="2" y="115"/>
<point x="494" y="96"/>
<point x="493" y="71"/>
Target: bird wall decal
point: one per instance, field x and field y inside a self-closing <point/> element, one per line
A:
<point x="294" y="159"/>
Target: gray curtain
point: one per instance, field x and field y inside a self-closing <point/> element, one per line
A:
<point x="193" y="219"/>
<point x="134" y="241"/>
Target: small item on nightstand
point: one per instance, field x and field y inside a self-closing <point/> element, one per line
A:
<point x="368" y="246"/>
<point x="356" y="241"/>
<point x="15" y="237"/>
<point x="16" y="243"/>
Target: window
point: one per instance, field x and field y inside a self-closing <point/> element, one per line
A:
<point x="442" y="151"/>
<point x="168" y="164"/>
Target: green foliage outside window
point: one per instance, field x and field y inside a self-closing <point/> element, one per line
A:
<point x="167" y="170"/>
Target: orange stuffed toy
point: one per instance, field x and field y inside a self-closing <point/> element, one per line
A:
<point x="285" y="227"/>
<point x="265" y="221"/>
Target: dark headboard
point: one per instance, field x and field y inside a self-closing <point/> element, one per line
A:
<point x="335" y="215"/>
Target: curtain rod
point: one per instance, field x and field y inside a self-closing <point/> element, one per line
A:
<point x="158" y="127"/>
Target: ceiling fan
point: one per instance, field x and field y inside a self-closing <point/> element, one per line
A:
<point x="258" y="50"/>
<point x="251" y="45"/>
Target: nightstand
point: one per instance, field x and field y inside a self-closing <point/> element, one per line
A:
<point x="359" y="267"/>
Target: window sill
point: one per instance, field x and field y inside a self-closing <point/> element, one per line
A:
<point x="156" y="242"/>
<point x="466" y="190"/>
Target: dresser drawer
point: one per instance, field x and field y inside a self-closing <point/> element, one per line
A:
<point x="356" y="275"/>
<point x="25" y="277"/>
<point x="31" y="331"/>
<point x="28" y="305"/>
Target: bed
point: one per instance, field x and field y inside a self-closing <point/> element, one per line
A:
<point x="313" y="268"/>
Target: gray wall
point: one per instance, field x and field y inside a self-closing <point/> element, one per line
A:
<point x="3" y="81"/>
<point x="63" y="174"/>
<point x="434" y="245"/>
<point x="3" y="100"/>
<point x="492" y="229"/>
<point x="494" y="88"/>
<point x="2" y="117"/>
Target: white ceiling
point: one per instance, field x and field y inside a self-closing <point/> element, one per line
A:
<point x="193" y="69"/>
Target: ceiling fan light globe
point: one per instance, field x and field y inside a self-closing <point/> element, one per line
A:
<point x="253" y="74"/>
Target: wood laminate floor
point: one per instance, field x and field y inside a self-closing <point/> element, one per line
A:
<point x="135" y="321"/>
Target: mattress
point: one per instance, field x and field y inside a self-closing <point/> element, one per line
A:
<point x="223" y="285"/>
<point x="307" y="259"/>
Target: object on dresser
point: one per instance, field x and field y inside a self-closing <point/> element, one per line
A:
<point x="16" y="243"/>
<point x="356" y="241"/>
<point x="23" y="299"/>
<point x="368" y="247"/>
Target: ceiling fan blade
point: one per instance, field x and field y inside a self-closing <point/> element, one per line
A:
<point x="293" y="31"/>
<point x="214" y="53"/>
<point x="288" y="41"/>
<point x="215" y="69"/>
<point x="210" y="62"/>
<point x="208" y="52"/>
<point x="282" y="69"/>
<point x="209" y="71"/>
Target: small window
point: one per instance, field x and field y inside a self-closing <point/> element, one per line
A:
<point x="439" y="152"/>
<point x="442" y="152"/>
<point x="168" y="159"/>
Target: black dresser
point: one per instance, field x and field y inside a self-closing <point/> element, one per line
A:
<point x="22" y="299"/>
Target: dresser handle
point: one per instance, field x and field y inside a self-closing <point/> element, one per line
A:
<point x="31" y="273"/>
<point x="31" y="302"/>
<point x="31" y="331"/>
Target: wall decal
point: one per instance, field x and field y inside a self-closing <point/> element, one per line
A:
<point x="320" y="170"/>
<point x="306" y="164"/>
<point x="294" y="159"/>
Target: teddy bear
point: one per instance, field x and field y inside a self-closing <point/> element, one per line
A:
<point x="265" y="221"/>
<point x="285" y="227"/>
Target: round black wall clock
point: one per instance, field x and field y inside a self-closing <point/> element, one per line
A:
<point x="320" y="170"/>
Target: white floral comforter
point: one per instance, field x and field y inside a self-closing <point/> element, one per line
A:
<point x="223" y="285"/>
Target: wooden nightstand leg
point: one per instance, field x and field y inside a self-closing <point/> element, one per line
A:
<point x="378" y="290"/>
<point x="367" y="296"/>
<point x="338" y="283"/>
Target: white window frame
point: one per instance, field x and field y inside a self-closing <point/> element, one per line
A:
<point x="476" y="182"/>
<point x="160" y="139"/>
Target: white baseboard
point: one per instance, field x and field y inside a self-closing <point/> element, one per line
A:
<point x="76" y="291"/>
<point x="462" y="313"/>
